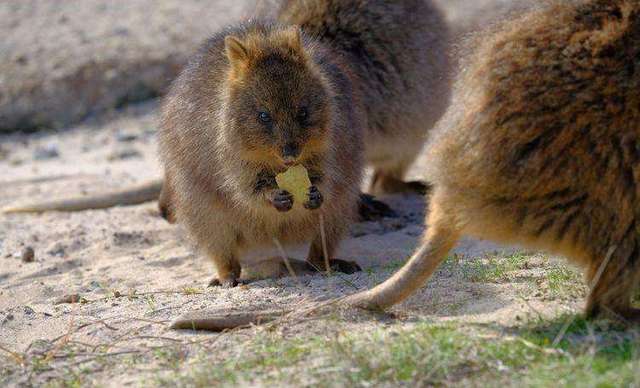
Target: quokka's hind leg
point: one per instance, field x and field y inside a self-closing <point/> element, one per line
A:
<point x="227" y="267"/>
<point x="215" y="234"/>
<point x="391" y="165"/>
<point x="613" y="281"/>
<point x="441" y="235"/>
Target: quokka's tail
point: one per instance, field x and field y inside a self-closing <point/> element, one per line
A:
<point x="144" y="192"/>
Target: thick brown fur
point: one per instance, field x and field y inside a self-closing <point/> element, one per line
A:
<point x="354" y="69"/>
<point x="541" y="148"/>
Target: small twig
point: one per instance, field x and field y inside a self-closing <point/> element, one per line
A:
<point x="145" y="349"/>
<point x="105" y="355"/>
<point x="65" y="340"/>
<point x="286" y="261"/>
<point x="156" y="322"/>
<point x="124" y="336"/>
<point x="593" y="284"/>
<point x="346" y="281"/>
<point x="85" y="344"/>
<point x="135" y="294"/>
<point x="602" y="267"/>
<point x="257" y="8"/>
<point x="325" y="251"/>
<point x="84" y="325"/>
<point x="563" y="330"/>
<point x="157" y="338"/>
<point x="531" y="345"/>
<point x="105" y="324"/>
<point x="17" y="356"/>
<point x="304" y="312"/>
<point x="160" y="310"/>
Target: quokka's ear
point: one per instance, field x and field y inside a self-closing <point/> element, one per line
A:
<point x="293" y="38"/>
<point x="236" y="50"/>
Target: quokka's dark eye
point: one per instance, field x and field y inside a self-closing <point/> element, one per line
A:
<point x="264" y="117"/>
<point x="303" y="114"/>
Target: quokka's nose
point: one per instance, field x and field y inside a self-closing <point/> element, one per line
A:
<point x="289" y="153"/>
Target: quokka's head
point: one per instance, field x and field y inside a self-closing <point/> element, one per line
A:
<point x="278" y="108"/>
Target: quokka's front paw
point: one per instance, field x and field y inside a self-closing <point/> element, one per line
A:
<point x="315" y="198"/>
<point x="282" y="200"/>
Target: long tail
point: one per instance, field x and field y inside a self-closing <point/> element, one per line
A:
<point x="210" y="321"/>
<point x="413" y="275"/>
<point x="144" y="192"/>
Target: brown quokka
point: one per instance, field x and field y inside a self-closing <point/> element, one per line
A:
<point x="541" y="148"/>
<point x="257" y="99"/>
<point x="329" y="85"/>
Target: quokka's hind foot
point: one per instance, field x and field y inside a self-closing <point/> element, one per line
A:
<point x="613" y="305"/>
<point x="418" y="187"/>
<point x="371" y="209"/>
<point x="344" y="266"/>
<point x="388" y="184"/>
<point x="226" y="283"/>
<point x="338" y="265"/>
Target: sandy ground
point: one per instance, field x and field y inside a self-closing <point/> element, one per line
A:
<point x="134" y="272"/>
<point x="64" y="60"/>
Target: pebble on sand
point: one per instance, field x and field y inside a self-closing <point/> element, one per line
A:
<point x="27" y="255"/>
<point x="71" y="298"/>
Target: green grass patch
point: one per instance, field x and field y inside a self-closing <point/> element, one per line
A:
<point x="434" y="354"/>
<point x="489" y="268"/>
<point x="550" y="278"/>
<point x="564" y="280"/>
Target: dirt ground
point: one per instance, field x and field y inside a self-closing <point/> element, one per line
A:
<point x="132" y="273"/>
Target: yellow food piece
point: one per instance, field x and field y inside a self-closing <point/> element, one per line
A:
<point x="296" y="181"/>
